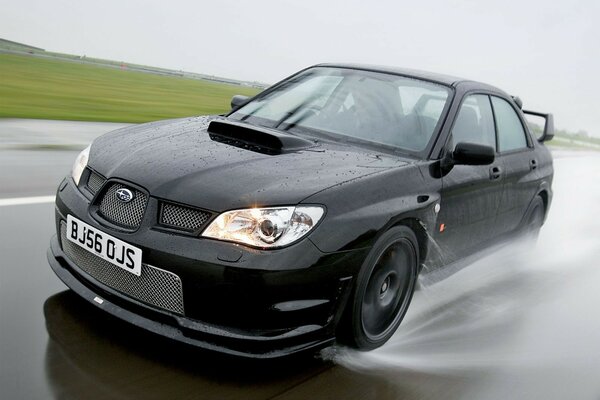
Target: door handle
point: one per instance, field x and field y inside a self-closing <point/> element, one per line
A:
<point x="495" y="173"/>
<point x="532" y="164"/>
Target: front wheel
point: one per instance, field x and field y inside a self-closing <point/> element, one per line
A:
<point x="383" y="290"/>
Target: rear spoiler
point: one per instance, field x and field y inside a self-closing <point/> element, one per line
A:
<point x="548" y="132"/>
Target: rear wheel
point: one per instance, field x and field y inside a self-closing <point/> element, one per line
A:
<point x="535" y="218"/>
<point x="383" y="290"/>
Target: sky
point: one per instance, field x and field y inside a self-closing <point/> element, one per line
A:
<point x="548" y="53"/>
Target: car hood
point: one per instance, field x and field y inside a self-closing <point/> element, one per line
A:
<point x="177" y="160"/>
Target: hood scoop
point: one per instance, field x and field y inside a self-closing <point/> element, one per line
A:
<point x="255" y="138"/>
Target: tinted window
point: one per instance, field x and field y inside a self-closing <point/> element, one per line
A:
<point x="475" y="122"/>
<point x="352" y="105"/>
<point x="511" y="135"/>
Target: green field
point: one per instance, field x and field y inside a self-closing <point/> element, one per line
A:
<point x="32" y="87"/>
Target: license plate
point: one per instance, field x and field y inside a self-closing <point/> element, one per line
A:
<point x="113" y="250"/>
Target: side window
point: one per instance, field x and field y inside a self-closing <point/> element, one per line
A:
<point x="475" y="122"/>
<point x="511" y="135"/>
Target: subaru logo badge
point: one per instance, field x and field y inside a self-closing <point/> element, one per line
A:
<point x="125" y="195"/>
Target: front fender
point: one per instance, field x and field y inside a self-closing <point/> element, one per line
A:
<point x="361" y="210"/>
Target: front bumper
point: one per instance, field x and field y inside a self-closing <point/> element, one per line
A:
<point x="251" y="307"/>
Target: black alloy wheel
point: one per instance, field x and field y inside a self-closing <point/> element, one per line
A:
<point x="383" y="290"/>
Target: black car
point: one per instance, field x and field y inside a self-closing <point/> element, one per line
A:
<point x="305" y="214"/>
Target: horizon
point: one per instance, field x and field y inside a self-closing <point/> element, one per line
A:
<point x="508" y="47"/>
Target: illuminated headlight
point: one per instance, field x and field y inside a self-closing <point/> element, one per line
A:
<point x="80" y="163"/>
<point x="265" y="227"/>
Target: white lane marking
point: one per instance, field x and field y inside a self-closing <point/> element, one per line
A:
<point x="17" y="201"/>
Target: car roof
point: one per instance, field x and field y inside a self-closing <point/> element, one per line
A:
<point x="447" y="80"/>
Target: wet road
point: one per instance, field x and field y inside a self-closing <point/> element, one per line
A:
<point x="33" y="172"/>
<point x="514" y="324"/>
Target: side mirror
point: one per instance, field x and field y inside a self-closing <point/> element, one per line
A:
<point x="472" y="154"/>
<point x="238" y="100"/>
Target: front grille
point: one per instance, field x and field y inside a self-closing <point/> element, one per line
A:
<point x="154" y="286"/>
<point x="128" y="215"/>
<point x="95" y="182"/>
<point x="181" y="217"/>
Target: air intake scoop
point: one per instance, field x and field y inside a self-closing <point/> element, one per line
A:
<point x="256" y="138"/>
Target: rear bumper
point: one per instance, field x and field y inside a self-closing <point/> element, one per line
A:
<point x="182" y="329"/>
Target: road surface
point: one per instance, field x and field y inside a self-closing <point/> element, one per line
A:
<point x="518" y="323"/>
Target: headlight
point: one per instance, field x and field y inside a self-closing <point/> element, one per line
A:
<point x="80" y="163"/>
<point x="265" y="227"/>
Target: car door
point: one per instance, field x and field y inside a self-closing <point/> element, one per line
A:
<point x="518" y="160"/>
<point x="470" y="193"/>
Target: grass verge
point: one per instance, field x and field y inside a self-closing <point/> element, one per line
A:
<point x="33" y="87"/>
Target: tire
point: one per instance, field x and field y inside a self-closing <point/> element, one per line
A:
<point x="535" y="218"/>
<point x="383" y="290"/>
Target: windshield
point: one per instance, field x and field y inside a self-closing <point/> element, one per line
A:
<point x="350" y="104"/>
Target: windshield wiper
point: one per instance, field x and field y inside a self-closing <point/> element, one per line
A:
<point x="295" y="111"/>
